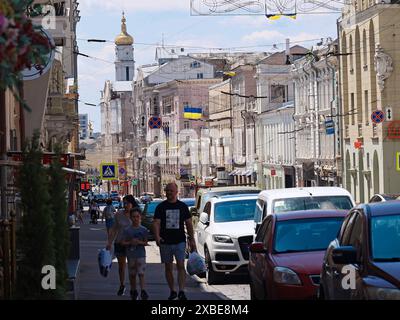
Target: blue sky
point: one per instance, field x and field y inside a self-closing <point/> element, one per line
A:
<point x="147" y="21"/>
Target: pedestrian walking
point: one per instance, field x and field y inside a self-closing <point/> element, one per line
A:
<point x="80" y="212"/>
<point x="135" y="239"/>
<point x="170" y="218"/>
<point x="94" y="212"/>
<point x="108" y="214"/>
<point x="121" y="222"/>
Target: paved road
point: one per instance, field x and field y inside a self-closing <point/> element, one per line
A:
<point x="92" y="286"/>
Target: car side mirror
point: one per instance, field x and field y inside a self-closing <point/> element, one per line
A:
<point x="344" y="255"/>
<point x="204" y="218"/>
<point x="193" y="211"/>
<point x="257" y="247"/>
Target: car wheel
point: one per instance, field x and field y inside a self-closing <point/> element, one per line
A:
<point x="211" y="276"/>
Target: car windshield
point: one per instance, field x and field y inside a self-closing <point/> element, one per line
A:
<point x="385" y="238"/>
<point x="305" y="234"/>
<point x="311" y="203"/>
<point x="150" y="208"/>
<point x="207" y="196"/>
<point x="234" y="210"/>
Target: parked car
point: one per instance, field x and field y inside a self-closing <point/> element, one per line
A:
<point x="286" y="257"/>
<point x="114" y="195"/>
<point x="223" y="235"/>
<point x="117" y="204"/>
<point x="368" y="244"/>
<point x="203" y="195"/>
<point x="295" y="199"/>
<point x="381" y="197"/>
<point x="190" y="202"/>
<point x="100" y="198"/>
<point x="148" y="215"/>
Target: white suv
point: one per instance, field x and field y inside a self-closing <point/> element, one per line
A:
<point x="224" y="234"/>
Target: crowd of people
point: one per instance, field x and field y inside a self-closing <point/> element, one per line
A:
<point x="127" y="238"/>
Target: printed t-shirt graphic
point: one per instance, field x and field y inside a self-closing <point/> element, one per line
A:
<point x="172" y="219"/>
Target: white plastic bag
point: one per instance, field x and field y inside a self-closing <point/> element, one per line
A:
<point x="195" y="264"/>
<point x="105" y="261"/>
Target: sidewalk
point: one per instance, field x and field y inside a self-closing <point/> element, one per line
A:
<point x="92" y="286"/>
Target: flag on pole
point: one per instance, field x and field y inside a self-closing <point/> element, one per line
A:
<point x="192" y="113"/>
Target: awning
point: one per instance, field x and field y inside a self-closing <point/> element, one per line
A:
<point x="234" y="172"/>
<point x="249" y="172"/>
<point x="69" y="170"/>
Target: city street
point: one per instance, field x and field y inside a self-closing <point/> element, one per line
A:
<point x="265" y="134"/>
<point x="92" y="286"/>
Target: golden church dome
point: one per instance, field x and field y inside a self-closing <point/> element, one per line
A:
<point x="123" y="38"/>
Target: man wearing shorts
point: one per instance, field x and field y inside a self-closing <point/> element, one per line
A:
<point x="170" y="218"/>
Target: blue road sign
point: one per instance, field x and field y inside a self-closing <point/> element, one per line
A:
<point x="378" y="116"/>
<point x="329" y="127"/>
<point x="108" y="171"/>
<point x="155" y="122"/>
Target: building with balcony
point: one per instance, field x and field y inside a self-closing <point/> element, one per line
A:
<point x="317" y="126"/>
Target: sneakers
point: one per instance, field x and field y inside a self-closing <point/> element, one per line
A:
<point x="144" y="295"/>
<point x="172" y="295"/>
<point x="181" y="295"/>
<point x="121" y="290"/>
<point x="134" y="294"/>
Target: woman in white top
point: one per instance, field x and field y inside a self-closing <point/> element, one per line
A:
<point x="121" y="222"/>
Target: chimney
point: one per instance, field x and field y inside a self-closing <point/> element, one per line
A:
<point x="288" y="51"/>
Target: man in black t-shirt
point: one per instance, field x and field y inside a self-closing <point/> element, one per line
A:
<point x="170" y="219"/>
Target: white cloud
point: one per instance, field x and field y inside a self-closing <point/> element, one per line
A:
<point x="136" y="5"/>
<point x="263" y="35"/>
<point x="269" y="37"/>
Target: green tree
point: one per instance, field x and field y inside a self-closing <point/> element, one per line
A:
<point x="35" y="242"/>
<point x="58" y="206"/>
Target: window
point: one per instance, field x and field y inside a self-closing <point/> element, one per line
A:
<point x="385" y="230"/>
<point x="347" y="230"/>
<point x="278" y="93"/>
<point x="186" y="125"/>
<point x="268" y="233"/>
<point x="207" y="208"/>
<point x="312" y="203"/>
<point x="302" y="235"/>
<point x="366" y="106"/>
<point x="167" y="103"/>
<point x="234" y="211"/>
<point x="127" y="73"/>
<point x="258" y="210"/>
<point x="195" y="64"/>
<point x="199" y="76"/>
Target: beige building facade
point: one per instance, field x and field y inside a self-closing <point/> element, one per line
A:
<point x="370" y="73"/>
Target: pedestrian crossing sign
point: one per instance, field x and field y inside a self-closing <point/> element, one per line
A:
<point x="108" y="171"/>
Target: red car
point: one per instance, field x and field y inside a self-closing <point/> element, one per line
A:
<point x="286" y="258"/>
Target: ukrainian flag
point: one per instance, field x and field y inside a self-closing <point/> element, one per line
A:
<point x="278" y="16"/>
<point x="192" y="113"/>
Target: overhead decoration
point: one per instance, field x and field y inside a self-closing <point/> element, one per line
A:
<point x="272" y="9"/>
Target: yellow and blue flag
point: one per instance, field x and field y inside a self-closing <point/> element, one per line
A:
<point x="192" y="113"/>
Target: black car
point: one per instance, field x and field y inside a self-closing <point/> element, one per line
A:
<point x="148" y="215"/>
<point x="363" y="262"/>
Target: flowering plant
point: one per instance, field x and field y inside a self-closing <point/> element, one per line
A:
<point x="21" y="44"/>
